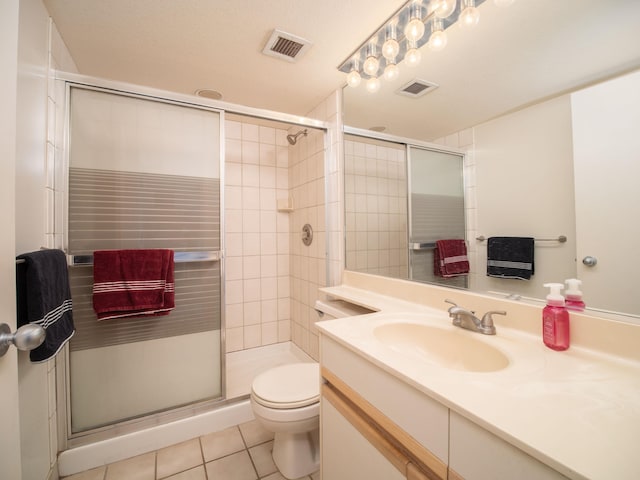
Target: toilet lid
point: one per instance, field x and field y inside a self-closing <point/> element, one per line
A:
<point x="288" y="386"/>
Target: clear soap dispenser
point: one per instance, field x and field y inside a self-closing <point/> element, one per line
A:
<point x="555" y="319"/>
<point x="573" y="296"/>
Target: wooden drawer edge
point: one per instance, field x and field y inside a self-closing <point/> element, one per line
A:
<point x="400" y="439"/>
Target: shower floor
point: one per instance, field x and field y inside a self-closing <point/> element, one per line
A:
<point x="243" y="366"/>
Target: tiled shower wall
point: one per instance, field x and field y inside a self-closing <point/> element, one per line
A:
<point x="308" y="262"/>
<point x="257" y="236"/>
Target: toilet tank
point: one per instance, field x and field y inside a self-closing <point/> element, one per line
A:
<point x="333" y="308"/>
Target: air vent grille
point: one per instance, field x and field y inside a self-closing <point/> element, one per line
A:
<point x="285" y="46"/>
<point x="416" y="88"/>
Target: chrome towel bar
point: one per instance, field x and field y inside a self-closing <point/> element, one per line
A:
<point x="178" y="257"/>
<point x="560" y="239"/>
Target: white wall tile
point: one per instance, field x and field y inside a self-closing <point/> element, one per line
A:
<point x="252" y="313"/>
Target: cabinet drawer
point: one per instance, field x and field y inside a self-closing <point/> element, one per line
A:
<point x="424" y="419"/>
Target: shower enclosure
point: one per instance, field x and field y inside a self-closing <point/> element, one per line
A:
<point x="144" y="173"/>
<point x="400" y="197"/>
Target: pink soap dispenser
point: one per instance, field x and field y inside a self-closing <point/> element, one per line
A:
<point x="555" y="319"/>
<point x="573" y="296"/>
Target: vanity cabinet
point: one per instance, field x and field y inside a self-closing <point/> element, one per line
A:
<point x="374" y="425"/>
<point x="476" y="454"/>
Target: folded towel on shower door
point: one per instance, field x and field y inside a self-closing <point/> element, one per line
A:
<point x="44" y="297"/>
<point x="510" y="257"/>
<point x="450" y="258"/>
<point x="133" y="283"/>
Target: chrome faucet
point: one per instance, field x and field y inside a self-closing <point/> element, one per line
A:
<point x="464" y="318"/>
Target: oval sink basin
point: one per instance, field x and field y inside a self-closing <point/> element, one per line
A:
<point x="448" y="348"/>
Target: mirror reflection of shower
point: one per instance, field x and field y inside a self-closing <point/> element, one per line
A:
<point x="292" y="139"/>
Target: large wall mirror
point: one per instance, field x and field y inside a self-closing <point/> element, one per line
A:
<point x="542" y="102"/>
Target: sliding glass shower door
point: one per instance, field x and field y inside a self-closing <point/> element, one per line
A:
<point x="437" y="211"/>
<point x="143" y="174"/>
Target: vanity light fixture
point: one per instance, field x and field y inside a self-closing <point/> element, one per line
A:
<point x="438" y="38"/>
<point x="373" y="84"/>
<point x="413" y="56"/>
<point x="354" y="78"/>
<point x="469" y="16"/>
<point x="401" y="36"/>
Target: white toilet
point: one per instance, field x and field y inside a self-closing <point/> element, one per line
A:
<point x="286" y="401"/>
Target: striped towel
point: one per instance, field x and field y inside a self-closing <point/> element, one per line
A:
<point x="450" y="258"/>
<point x="133" y="283"/>
<point x="44" y="297"/>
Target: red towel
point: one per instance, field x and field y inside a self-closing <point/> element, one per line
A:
<point x="450" y="258"/>
<point x="133" y="283"/>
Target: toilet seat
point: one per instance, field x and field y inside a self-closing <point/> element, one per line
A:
<point x="289" y="386"/>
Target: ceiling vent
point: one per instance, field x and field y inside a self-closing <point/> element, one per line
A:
<point x="286" y="46"/>
<point x="416" y="88"/>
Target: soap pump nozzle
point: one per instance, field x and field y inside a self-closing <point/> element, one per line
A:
<point x="555" y="297"/>
<point x="574" y="296"/>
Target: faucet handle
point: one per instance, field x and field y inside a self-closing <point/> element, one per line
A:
<point x="487" y="318"/>
<point x="451" y="302"/>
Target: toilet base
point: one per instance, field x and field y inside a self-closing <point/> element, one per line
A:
<point x="297" y="454"/>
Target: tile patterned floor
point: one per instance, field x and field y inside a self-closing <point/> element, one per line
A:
<point x="237" y="453"/>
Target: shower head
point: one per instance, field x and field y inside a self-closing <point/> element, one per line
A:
<point x="292" y="139"/>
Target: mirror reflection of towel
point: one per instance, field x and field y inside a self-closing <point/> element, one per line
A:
<point x="510" y="257"/>
<point x="450" y="258"/>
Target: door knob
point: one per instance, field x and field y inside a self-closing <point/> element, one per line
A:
<point x="590" y="261"/>
<point x="27" y="337"/>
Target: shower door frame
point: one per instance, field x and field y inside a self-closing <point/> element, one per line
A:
<point x="66" y="439"/>
<point x="172" y="413"/>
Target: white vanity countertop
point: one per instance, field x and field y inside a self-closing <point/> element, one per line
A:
<point x="578" y="411"/>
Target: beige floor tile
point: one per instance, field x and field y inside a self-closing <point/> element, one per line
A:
<point x="178" y="458"/>
<point x="237" y="466"/>
<point x="262" y="459"/>
<point x="254" y="433"/>
<point x="220" y="444"/>
<point x="279" y="476"/>
<point x="93" y="474"/>
<point x="274" y="476"/>
<point x="197" y="473"/>
<point x="316" y="475"/>
<point x="142" y="467"/>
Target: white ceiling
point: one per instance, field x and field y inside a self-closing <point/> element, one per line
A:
<point x="529" y="51"/>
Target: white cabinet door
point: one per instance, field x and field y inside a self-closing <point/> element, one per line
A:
<point x="346" y="454"/>
<point x="476" y="454"/>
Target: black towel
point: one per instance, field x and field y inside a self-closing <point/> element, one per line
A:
<point x="510" y="257"/>
<point x="44" y="298"/>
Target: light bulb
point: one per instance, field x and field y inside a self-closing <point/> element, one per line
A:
<point x="391" y="72"/>
<point x="390" y="48"/>
<point x="438" y="38"/>
<point x="413" y="57"/>
<point x="503" y="3"/>
<point x="469" y="17"/>
<point x="353" y="78"/>
<point x="437" y="41"/>
<point x="414" y="30"/>
<point x="371" y="65"/>
<point x="443" y="8"/>
<point x="373" y="85"/>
